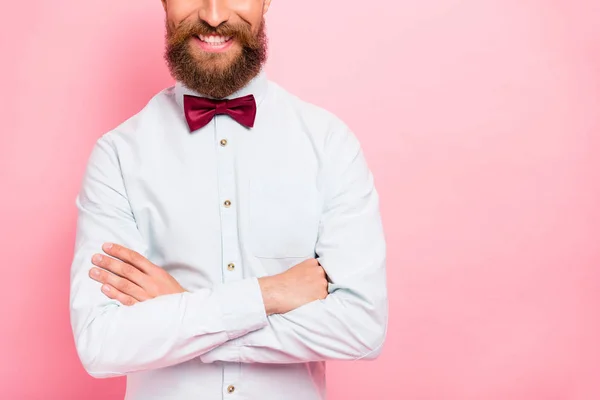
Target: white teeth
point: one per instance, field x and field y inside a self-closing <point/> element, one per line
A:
<point x="214" y="40"/>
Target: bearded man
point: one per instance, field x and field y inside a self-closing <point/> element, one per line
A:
<point x="229" y="239"/>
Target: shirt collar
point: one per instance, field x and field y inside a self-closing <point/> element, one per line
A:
<point x="257" y="87"/>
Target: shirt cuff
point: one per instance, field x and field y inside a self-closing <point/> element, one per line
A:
<point x="242" y="306"/>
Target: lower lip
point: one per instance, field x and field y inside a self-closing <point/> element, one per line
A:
<point x="212" y="48"/>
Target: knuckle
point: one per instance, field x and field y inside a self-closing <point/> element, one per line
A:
<point x="128" y="287"/>
<point x="127" y="270"/>
<point x="102" y="276"/>
<point x="134" y="256"/>
<point x="123" y="285"/>
<point x="107" y="263"/>
<point x="122" y="253"/>
<point x="143" y="296"/>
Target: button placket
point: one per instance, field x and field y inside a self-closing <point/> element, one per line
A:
<point x="230" y="252"/>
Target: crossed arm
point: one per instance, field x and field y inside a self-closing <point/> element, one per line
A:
<point x="349" y="323"/>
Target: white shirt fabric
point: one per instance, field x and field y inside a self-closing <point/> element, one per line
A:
<point x="299" y="187"/>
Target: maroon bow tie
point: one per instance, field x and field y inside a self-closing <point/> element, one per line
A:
<point x="199" y="111"/>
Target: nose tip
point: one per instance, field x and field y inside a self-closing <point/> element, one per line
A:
<point x="214" y="13"/>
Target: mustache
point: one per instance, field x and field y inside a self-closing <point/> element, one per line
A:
<point x="186" y="30"/>
<point x="224" y="29"/>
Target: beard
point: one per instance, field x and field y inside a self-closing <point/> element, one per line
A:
<point x="216" y="75"/>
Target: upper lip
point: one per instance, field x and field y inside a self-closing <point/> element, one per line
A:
<point x="214" y="35"/>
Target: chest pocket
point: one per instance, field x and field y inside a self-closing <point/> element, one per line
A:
<point x="284" y="212"/>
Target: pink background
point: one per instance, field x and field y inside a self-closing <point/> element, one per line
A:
<point x="480" y="122"/>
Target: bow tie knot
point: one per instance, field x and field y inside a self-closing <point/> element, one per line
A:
<point x="199" y="111"/>
<point x="221" y="107"/>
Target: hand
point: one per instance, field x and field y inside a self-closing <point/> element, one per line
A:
<point x="301" y="284"/>
<point x="131" y="278"/>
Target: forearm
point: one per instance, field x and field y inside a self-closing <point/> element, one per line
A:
<point x="349" y="324"/>
<point x="114" y="340"/>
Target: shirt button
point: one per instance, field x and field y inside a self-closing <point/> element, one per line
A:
<point x="231" y="266"/>
<point x="223" y="142"/>
<point x="227" y="203"/>
<point x="230" y="388"/>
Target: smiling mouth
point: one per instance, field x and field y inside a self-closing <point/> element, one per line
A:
<point x="213" y="40"/>
<point x="214" y="43"/>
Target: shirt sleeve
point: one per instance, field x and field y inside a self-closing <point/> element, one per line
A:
<point x="351" y="322"/>
<point x="112" y="339"/>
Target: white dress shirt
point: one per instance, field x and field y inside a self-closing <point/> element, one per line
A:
<point x="218" y="208"/>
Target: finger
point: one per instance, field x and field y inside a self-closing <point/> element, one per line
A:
<point x="129" y="256"/>
<point x="120" y="268"/>
<point x="123" y="285"/>
<point x="114" y="294"/>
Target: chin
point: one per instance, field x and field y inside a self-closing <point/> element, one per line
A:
<point x="214" y="61"/>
